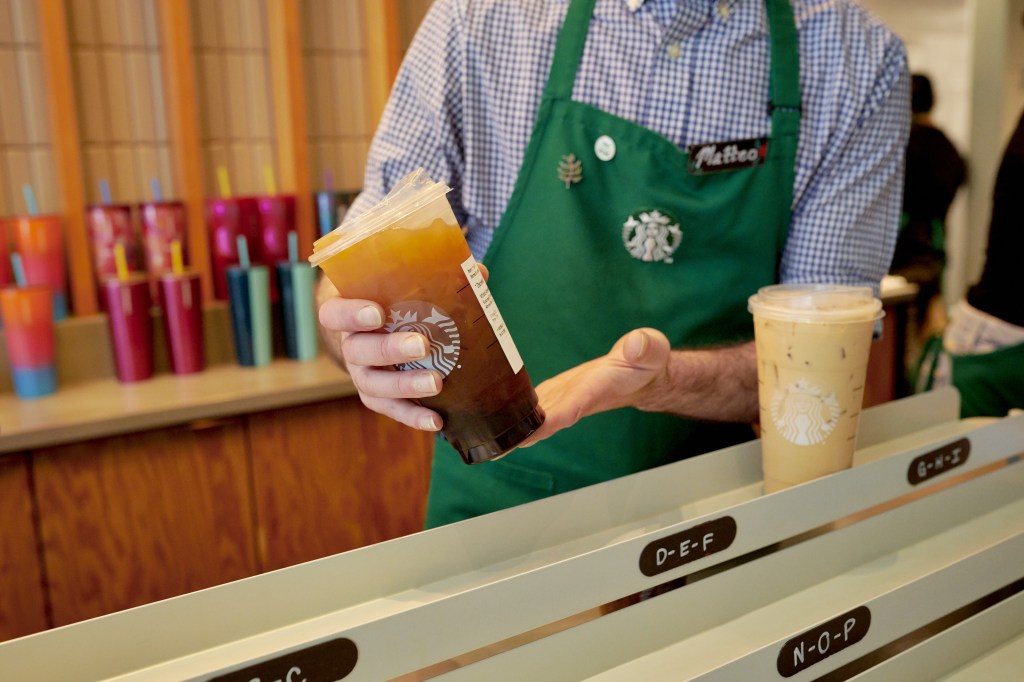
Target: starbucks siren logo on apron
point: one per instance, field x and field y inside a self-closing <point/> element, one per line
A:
<point x="651" y="237"/>
<point x="425" y="318"/>
<point x="803" y="415"/>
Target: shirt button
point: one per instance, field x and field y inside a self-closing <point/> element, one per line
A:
<point x="674" y="51"/>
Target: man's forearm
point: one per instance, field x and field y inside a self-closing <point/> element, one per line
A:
<point x="718" y="384"/>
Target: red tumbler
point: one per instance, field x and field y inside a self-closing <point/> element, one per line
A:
<point x="181" y="300"/>
<point x="131" y="326"/>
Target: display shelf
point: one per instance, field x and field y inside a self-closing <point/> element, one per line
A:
<point x="688" y="568"/>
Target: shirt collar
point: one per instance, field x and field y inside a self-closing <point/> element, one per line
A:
<point x="635" y="5"/>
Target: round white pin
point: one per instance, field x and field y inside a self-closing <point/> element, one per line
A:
<point x="604" y="148"/>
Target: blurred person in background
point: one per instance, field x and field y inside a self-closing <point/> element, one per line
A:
<point x="934" y="173"/>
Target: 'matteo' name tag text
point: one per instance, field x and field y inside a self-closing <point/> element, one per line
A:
<point x="726" y="156"/>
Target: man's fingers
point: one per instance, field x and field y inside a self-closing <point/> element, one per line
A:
<point x="405" y="411"/>
<point x="350" y="315"/>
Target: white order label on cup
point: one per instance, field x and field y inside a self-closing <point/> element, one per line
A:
<point x="483" y="294"/>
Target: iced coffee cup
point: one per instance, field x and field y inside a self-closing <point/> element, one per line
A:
<point x="409" y="255"/>
<point x="813" y="342"/>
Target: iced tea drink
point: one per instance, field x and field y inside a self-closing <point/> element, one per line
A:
<point x="409" y="255"/>
<point x="812" y="342"/>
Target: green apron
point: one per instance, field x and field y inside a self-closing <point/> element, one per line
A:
<point x="609" y="229"/>
<point x="990" y="384"/>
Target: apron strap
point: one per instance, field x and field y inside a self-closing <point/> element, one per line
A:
<point x="784" y="87"/>
<point x="569" y="49"/>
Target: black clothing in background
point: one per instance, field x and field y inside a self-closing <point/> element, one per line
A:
<point x="1000" y="291"/>
<point x="934" y="172"/>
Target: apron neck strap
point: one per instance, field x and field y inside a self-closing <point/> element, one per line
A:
<point x="784" y="88"/>
<point x="569" y="49"/>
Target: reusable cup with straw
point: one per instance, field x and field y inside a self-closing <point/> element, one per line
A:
<point x="39" y="241"/>
<point x="298" y="318"/>
<point x="812" y="343"/>
<point x="27" y="311"/>
<point x="228" y="218"/>
<point x="163" y="223"/>
<point x="110" y="224"/>
<point x="181" y="301"/>
<point x="249" y="299"/>
<point x="127" y="303"/>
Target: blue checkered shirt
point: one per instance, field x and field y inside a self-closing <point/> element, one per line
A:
<point x="695" y="71"/>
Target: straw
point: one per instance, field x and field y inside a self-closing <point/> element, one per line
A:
<point x="177" y="264"/>
<point x="158" y="194"/>
<point x="120" y="262"/>
<point x="268" y="179"/>
<point x="328" y="179"/>
<point x="225" y="183"/>
<point x="243" y="251"/>
<point x="30" y="199"/>
<point x="19" y="270"/>
<point x="293" y="246"/>
<point x="105" y="191"/>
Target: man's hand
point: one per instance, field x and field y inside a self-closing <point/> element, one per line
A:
<point x="641" y="371"/>
<point x="351" y="331"/>
<point x="615" y="380"/>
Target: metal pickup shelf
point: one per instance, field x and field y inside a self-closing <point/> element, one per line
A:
<point x="688" y="566"/>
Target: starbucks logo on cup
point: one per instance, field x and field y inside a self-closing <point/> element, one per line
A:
<point x="435" y="324"/>
<point x="802" y="414"/>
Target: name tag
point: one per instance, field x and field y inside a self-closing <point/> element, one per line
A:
<point x="726" y="156"/>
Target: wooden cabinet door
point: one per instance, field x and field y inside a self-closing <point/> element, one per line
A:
<point x="330" y="477"/>
<point x="22" y="603"/>
<point x="132" y="519"/>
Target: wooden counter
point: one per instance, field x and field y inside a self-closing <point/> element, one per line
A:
<point x="105" y="407"/>
<point x="114" y="495"/>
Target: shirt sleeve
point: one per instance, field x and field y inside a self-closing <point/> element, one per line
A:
<point x="846" y="216"/>
<point x="421" y="123"/>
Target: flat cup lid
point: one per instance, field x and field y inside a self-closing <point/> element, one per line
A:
<point x="821" y="303"/>
<point x="410" y="194"/>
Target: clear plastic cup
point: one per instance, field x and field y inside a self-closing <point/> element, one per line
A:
<point x="813" y="342"/>
<point x="409" y="255"/>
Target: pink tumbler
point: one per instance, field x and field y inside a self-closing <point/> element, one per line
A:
<point x="226" y="220"/>
<point x="110" y="225"/>
<point x="181" y="300"/>
<point x="277" y="219"/>
<point x="163" y="223"/>
<point x="131" y="326"/>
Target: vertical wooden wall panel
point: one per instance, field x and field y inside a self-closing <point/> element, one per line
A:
<point x="126" y="521"/>
<point x="63" y="120"/>
<point x="292" y="136"/>
<point x="22" y="602"/>
<point x="181" y="96"/>
<point x="383" y="54"/>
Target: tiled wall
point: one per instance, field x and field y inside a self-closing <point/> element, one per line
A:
<point x="26" y="157"/>
<point x="233" y="79"/>
<point x="334" y="58"/>
<point x="115" y="54"/>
